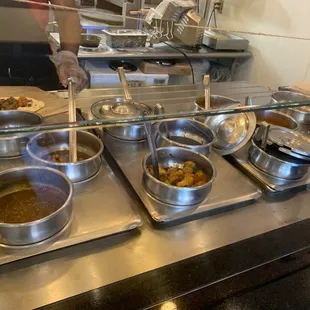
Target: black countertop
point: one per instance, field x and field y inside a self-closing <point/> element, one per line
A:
<point x="206" y="280"/>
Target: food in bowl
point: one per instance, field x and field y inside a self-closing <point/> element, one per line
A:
<point x="29" y="203"/>
<point x="63" y="156"/>
<point x="187" y="176"/>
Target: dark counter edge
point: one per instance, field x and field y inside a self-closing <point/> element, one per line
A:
<point x="206" y="279"/>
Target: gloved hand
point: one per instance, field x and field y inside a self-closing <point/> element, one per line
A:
<point x="67" y="65"/>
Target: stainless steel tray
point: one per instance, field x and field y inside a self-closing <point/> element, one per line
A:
<point x="102" y="207"/>
<point x="272" y="186"/>
<point x="231" y="188"/>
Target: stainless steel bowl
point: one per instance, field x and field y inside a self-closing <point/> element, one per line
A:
<point x="43" y="144"/>
<point x="177" y="196"/>
<point x="300" y="114"/>
<point x="276" y="163"/>
<point x="14" y="145"/>
<point x="32" y="232"/>
<point x="186" y="133"/>
<point x="276" y="118"/>
<point x="116" y="108"/>
<point x="217" y="102"/>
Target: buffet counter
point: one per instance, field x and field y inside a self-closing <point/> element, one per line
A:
<point x="210" y="244"/>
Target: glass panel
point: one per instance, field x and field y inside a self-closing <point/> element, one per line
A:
<point x="115" y="33"/>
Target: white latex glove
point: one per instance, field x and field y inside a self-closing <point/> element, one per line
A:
<point x="67" y="65"/>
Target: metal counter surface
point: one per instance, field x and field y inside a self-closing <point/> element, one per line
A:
<point x="160" y="51"/>
<point x="60" y="274"/>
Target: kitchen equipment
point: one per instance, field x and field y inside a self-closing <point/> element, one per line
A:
<point x="120" y="108"/>
<point x="36" y="177"/>
<point x="169" y="66"/>
<point x="184" y="133"/>
<point x="300" y="114"/>
<point x="176" y="20"/>
<point x="276" y="163"/>
<point x="216" y="102"/>
<point x="232" y="131"/>
<point x="294" y="143"/>
<point x="89" y="40"/>
<point x="102" y="76"/>
<point x="206" y="83"/>
<point x="122" y="77"/>
<point x="276" y="118"/>
<point x="223" y="40"/>
<point x="90" y="211"/>
<point x="272" y="186"/>
<point x="11" y="146"/>
<point x="159" y="109"/>
<point x="41" y="145"/>
<point x="127" y="65"/>
<point x="152" y="146"/>
<point x="72" y="119"/>
<point x="177" y="196"/>
<point x="239" y="190"/>
<point x="125" y="38"/>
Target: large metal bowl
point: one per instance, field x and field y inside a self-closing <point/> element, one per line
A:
<point x="300" y="114"/>
<point x="276" y="163"/>
<point x="43" y="144"/>
<point x="217" y="102"/>
<point x="32" y="232"/>
<point x="186" y="133"/>
<point x="11" y="146"/>
<point x="121" y="109"/>
<point x="276" y="118"/>
<point x="172" y="195"/>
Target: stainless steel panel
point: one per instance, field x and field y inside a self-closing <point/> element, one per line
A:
<point x="129" y="157"/>
<point x="95" y="214"/>
<point x="60" y="274"/>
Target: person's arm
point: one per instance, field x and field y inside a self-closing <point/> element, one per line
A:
<point x="69" y="26"/>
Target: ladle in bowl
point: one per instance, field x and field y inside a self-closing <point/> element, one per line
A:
<point x="152" y="146"/>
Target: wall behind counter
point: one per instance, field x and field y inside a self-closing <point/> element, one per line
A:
<point x="276" y="61"/>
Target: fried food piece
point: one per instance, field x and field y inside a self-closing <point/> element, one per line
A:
<point x="176" y="177"/>
<point x="189" y="176"/>
<point x="188" y="181"/>
<point x="200" y="177"/>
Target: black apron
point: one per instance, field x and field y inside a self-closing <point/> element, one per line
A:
<point x="24" y="49"/>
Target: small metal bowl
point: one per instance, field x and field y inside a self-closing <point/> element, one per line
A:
<point x="89" y="40"/>
<point x="172" y="195"/>
<point x="276" y="118"/>
<point x="35" y="231"/>
<point x="189" y="134"/>
<point x="14" y="145"/>
<point x="43" y="144"/>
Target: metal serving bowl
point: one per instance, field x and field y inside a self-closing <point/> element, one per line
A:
<point x="89" y="40"/>
<point x="11" y="146"/>
<point x="276" y="118"/>
<point x="43" y="144"/>
<point x="276" y="163"/>
<point x="186" y="133"/>
<point x="300" y="114"/>
<point x="217" y="102"/>
<point x="32" y="232"/>
<point x="177" y="196"/>
<point x="116" y="108"/>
